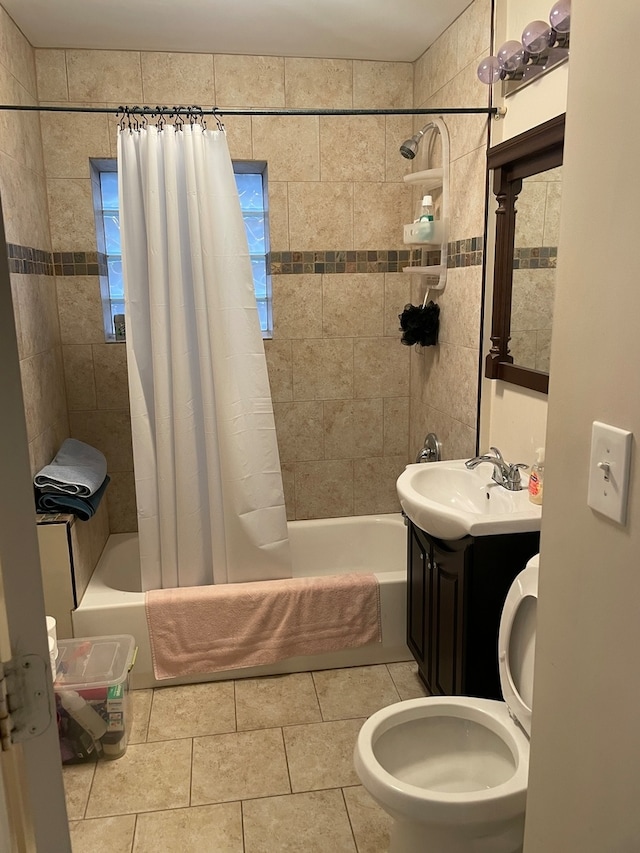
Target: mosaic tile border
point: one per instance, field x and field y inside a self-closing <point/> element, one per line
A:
<point x="29" y="261"/>
<point x="461" y="253"/>
<point x="535" y="257"/>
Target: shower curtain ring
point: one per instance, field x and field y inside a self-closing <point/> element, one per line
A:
<point x="218" y="117"/>
<point x="121" y="115"/>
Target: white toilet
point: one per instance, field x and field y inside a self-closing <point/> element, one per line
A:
<point x="452" y="770"/>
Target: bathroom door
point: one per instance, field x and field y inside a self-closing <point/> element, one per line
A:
<point x="32" y="806"/>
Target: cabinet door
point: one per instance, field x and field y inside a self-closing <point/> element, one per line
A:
<point x="447" y="630"/>
<point x="419" y="601"/>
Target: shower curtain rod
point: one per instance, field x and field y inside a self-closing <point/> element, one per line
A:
<point x="196" y="112"/>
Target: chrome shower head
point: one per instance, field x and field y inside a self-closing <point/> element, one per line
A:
<point x="409" y="147"/>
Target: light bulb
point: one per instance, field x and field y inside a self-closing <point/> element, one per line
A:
<point x="560" y="16"/>
<point x="489" y="70"/>
<point x="536" y="37"/>
<point x="511" y="55"/>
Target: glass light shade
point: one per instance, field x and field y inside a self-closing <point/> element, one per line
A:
<point x="511" y="55"/>
<point x="489" y="70"/>
<point x="560" y="16"/>
<point x="537" y="36"/>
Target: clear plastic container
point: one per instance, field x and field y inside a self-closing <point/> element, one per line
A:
<point x="92" y="678"/>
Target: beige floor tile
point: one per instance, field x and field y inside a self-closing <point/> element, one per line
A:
<point x="192" y="710"/>
<point x="77" y="787"/>
<point x="281" y="700"/>
<point x="406" y="679"/>
<point x="148" y="777"/>
<point x="299" y="823"/>
<point x="355" y="692"/>
<point x="141" y="708"/>
<point x="238" y="766"/>
<point x="371" y="825"/>
<point x="320" y="755"/>
<point x="103" y="835"/>
<point x="205" y="829"/>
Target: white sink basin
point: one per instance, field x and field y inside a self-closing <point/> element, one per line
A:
<point x="448" y="501"/>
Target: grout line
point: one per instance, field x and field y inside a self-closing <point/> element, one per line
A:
<point x="348" y="813"/>
<point x="191" y="771"/>
<point x="133" y="836"/>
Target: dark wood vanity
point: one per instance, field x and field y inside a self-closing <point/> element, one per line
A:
<point x="455" y="594"/>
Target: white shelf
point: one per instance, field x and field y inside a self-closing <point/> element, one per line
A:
<point x="434" y="269"/>
<point x="435" y="230"/>
<point x="430" y="179"/>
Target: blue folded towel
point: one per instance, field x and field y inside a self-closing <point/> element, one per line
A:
<point x="77" y="469"/>
<point x="83" y="508"/>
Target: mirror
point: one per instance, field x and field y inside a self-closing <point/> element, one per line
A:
<point x="527" y="181"/>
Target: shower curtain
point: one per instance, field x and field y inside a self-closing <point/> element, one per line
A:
<point x="207" y="469"/>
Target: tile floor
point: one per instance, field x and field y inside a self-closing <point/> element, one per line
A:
<point x="261" y="765"/>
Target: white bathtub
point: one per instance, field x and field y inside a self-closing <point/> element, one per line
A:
<point x="113" y="603"/>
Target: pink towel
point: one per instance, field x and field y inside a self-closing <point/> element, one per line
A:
<point x="202" y="629"/>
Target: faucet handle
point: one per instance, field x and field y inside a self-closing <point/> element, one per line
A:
<point x="513" y="475"/>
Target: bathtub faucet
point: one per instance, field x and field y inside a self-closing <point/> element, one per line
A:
<point x="504" y="473"/>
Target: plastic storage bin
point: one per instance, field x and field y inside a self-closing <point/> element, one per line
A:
<point x="92" y="697"/>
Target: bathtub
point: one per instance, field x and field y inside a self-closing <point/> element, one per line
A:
<point x="114" y="604"/>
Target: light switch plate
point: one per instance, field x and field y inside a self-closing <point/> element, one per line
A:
<point x="609" y="471"/>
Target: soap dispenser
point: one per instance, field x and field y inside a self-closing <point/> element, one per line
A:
<point x="536" y="478"/>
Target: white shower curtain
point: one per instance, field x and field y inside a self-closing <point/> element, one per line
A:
<point x="207" y="469"/>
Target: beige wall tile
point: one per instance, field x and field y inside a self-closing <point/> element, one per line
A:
<point x="531" y="209"/>
<point x="289" y="144"/>
<point x="297" y="306"/>
<point x="112" y="383"/>
<point x="43" y="390"/>
<point x="320" y="216"/>
<point x="177" y="78"/>
<point x="397" y="129"/>
<point x="532" y="299"/>
<point x="318" y="83"/>
<point x="379" y="212"/>
<point x="17" y="54"/>
<point x="289" y="486"/>
<point x="51" y="71"/>
<point x="460" y="307"/>
<point x="374" y="484"/>
<point x="458" y="439"/>
<point x="70" y="139"/>
<point x="449" y="366"/>
<point x="109" y="432"/>
<point x="245" y="81"/>
<point x="24" y="202"/>
<point x="323" y="369"/>
<point x="382" y="85"/>
<point x="123" y="511"/>
<point x="353" y="428"/>
<point x="522" y="347"/>
<point x="238" y="130"/>
<point x="381" y="368"/>
<point x="299" y="431"/>
<point x="352" y="148"/>
<point x="324" y="489"/>
<point x="34" y="299"/>
<point x="396" y="426"/>
<point x="278" y="355"/>
<point x="79" y="377"/>
<point x="543" y="349"/>
<point x="80" y="309"/>
<point x="72" y="222"/>
<point x="552" y="214"/>
<point x="397" y="294"/>
<point x="278" y="216"/>
<point x="467" y="196"/>
<point x="104" y="75"/>
<point x="352" y="304"/>
<point x="44" y="447"/>
<point x="474" y="31"/>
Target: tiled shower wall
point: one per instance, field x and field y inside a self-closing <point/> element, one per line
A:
<point x="444" y="379"/>
<point x="352" y="405"/>
<point x="24" y="203"/>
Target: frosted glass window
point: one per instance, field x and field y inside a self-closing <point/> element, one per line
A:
<point x="252" y="191"/>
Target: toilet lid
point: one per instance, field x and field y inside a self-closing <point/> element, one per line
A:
<point x="516" y="643"/>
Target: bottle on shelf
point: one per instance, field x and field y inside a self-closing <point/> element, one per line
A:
<point x="536" y="478"/>
<point x="425" y="220"/>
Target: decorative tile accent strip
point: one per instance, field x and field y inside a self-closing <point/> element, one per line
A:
<point x="27" y="260"/>
<point x="461" y="253"/>
<point x="535" y="257"/>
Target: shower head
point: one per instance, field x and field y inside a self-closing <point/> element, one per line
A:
<point x="409" y="147"/>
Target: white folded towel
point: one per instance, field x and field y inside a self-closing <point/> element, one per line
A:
<point x="77" y="469"/>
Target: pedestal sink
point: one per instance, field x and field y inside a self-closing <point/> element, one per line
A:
<point x="449" y="501"/>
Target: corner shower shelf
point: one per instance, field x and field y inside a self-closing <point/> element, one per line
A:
<point x="431" y="179"/>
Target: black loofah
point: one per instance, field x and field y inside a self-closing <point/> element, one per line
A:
<point x="420" y="324"/>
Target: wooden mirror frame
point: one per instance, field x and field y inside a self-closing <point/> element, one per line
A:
<point x="533" y="151"/>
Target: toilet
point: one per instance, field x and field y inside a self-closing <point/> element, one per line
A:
<point x="452" y="770"/>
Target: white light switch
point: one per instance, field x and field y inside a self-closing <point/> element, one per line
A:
<point x="609" y="471"/>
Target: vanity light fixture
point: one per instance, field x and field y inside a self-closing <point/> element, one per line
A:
<point x="542" y="46"/>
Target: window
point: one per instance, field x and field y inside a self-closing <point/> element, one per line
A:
<point x="252" y="190"/>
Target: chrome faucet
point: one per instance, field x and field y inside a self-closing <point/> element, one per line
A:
<point x="504" y="473"/>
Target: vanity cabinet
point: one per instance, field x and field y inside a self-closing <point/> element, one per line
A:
<point x="455" y="594"/>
